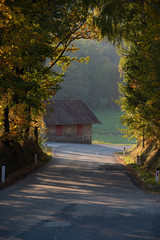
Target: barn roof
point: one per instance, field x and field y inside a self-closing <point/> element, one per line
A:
<point x="66" y="112"/>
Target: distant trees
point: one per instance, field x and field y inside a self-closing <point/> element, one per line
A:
<point x="96" y="81"/>
<point x="31" y="32"/>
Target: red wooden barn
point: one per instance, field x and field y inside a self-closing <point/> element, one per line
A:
<point x="70" y="121"/>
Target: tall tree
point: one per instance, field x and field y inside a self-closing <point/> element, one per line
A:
<point x="134" y="25"/>
<point x="31" y="32"/>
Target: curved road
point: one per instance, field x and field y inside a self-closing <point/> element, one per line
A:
<point x="82" y="194"/>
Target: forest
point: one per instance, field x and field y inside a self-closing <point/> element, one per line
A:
<point x="31" y="33"/>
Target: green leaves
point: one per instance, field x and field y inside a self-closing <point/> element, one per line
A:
<point x="134" y="25"/>
<point x="32" y="32"/>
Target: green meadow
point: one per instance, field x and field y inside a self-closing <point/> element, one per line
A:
<point x="109" y="131"/>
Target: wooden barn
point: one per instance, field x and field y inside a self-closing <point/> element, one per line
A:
<point x="70" y="121"/>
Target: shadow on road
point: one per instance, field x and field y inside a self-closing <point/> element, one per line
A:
<point x="86" y="197"/>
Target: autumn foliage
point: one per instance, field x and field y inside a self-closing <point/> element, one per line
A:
<point x="35" y="37"/>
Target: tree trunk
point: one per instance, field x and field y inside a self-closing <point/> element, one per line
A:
<point x="36" y="134"/>
<point x="27" y="130"/>
<point x="6" y="120"/>
<point x="6" y="131"/>
<point x="143" y="140"/>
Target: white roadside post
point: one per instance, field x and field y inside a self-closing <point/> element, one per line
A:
<point x="3" y="173"/>
<point x="35" y="159"/>
<point x="157" y="174"/>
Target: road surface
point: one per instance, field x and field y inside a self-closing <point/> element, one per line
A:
<point x="82" y="194"/>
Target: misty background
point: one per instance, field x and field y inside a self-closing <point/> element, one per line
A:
<point x="97" y="83"/>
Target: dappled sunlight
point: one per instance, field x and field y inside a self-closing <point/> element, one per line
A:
<point x="131" y="233"/>
<point x="87" y="190"/>
<point x="76" y="189"/>
<point x="89" y="153"/>
<point x="73" y="183"/>
<point x="89" y="157"/>
<point x="58" y="188"/>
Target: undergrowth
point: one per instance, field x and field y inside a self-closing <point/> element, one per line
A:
<point x="149" y="156"/>
<point x="17" y="156"/>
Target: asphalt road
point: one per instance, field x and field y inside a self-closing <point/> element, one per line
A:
<point x="82" y="194"/>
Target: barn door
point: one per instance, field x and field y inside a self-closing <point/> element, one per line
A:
<point x="80" y="130"/>
<point x="59" y="130"/>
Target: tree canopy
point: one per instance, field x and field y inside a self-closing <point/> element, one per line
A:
<point x="31" y="32"/>
<point x="133" y="26"/>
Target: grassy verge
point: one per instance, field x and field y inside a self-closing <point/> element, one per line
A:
<point x="141" y="174"/>
<point x="102" y="142"/>
<point x="48" y="152"/>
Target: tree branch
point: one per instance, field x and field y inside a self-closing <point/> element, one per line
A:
<point x="68" y="36"/>
<point x="59" y="55"/>
<point x="64" y="40"/>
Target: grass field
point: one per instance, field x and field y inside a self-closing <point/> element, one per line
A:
<point x="109" y="130"/>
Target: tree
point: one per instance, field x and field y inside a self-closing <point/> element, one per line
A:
<point x="141" y="90"/>
<point x="133" y="26"/>
<point x="31" y="32"/>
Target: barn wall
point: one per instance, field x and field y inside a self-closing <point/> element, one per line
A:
<point x="69" y="134"/>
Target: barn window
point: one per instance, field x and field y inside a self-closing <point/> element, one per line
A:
<point x="59" y="130"/>
<point x="80" y="130"/>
